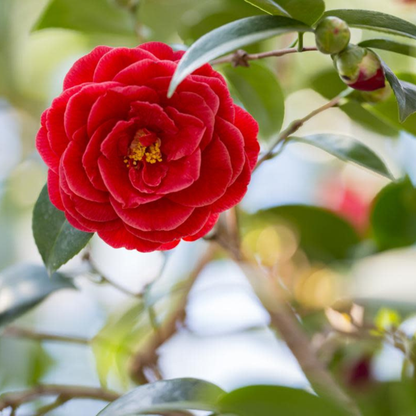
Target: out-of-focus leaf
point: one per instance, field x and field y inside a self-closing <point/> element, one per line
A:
<point x="372" y="20"/>
<point x="118" y="340"/>
<point x="303" y="10"/>
<point x="388" y="399"/>
<point x="329" y="85"/>
<point x="24" y="286"/>
<point x="57" y="240"/>
<point x="92" y="16"/>
<point x="389" y="45"/>
<point x="259" y="91"/>
<point x="29" y="369"/>
<point x="387" y="319"/>
<point x="212" y="14"/>
<point x="393" y="217"/>
<point x="230" y="37"/>
<point x="166" y="395"/>
<point x="347" y="149"/>
<point x="276" y="400"/>
<point x="405" y="93"/>
<point x="323" y="235"/>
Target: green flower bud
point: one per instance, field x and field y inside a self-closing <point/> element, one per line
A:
<point x="360" y="68"/>
<point x="332" y="35"/>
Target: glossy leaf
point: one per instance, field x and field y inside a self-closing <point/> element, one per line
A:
<point x="405" y="93"/>
<point x="347" y="149"/>
<point x="303" y="10"/>
<point x="261" y="95"/>
<point x="323" y="235"/>
<point x="166" y="395"/>
<point x="390" y="46"/>
<point x="230" y="37"/>
<point x="24" y="286"/>
<point x="92" y="16"/>
<point x="276" y="400"/>
<point x="372" y="20"/>
<point x="393" y="218"/>
<point x="57" y="240"/>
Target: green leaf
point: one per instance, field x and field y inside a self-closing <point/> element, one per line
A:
<point x="261" y="95"/>
<point x="387" y="319"/>
<point x="230" y="37"/>
<point x="24" y="286"/>
<point x="347" y="149"/>
<point x="389" y="45"/>
<point x="323" y="235"/>
<point x="92" y="16"/>
<point x="306" y="11"/>
<point x="372" y="20"/>
<point x="115" y="343"/>
<point x="166" y="395"/>
<point x="388" y="399"/>
<point x="405" y="93"/>
<point x="276" y="400"/>
<point x="57" y="240"/>
<point x="393" y="217"/>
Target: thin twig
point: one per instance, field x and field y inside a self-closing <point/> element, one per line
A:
<point x="285" y="321"/>
<point x="296" y="125"/>
<point x="16" y="332"/>
<point x="147" y="356"/>
<point x="16" y="399"/>
<point x="240" y="58"/>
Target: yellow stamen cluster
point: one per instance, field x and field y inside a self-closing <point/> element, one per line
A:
<point x="138" y="151"/>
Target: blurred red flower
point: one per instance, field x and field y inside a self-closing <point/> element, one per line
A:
<point x="142" y="170"/>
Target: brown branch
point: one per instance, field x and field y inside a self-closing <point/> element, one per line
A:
<point x="285" y="321"/>
<point x="295" y="126"/>
<point x="16" y="399"/>
<point x="241" y="58"/>
<point x="147" y="357"/>
<point x="16" y="332"/>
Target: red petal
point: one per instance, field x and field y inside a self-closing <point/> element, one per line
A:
<point x="250" y="129"/>
<point x="118" y="59"/>
<point x="161" y="215"/>
<point x="209" y="225"/>
<point x="185" y="141"/>
<point x="54" y="191"/>
<point x="181" y="174"/>
<point x="122" y="238"/>
<point x="192" y="225"/>
<point x="141" y="72"/>
<point x="234" y="141"/>
<point x="158" y="49"/>
<point x="216" y="173"/>
<point x="83" y="69"/>
<point x="235" y="192"/>
<point x="76" y="176"/>
<point x="79" y="106"/>
<point x="44" y="149"/>
<point x="116" y="179"/>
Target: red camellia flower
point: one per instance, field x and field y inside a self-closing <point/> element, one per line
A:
<point x="142" y="170"/>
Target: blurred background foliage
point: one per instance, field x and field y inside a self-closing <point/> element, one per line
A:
<point x="341" y="239"/>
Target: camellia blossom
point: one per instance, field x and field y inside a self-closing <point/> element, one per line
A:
<point x="142" y="170"/>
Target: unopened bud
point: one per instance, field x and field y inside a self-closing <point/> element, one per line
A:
<point x="378" y="96"/>
<point x="360" y="68"/>
<point x="332" y="35"/>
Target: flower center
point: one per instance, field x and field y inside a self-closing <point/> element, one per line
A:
<point x="145" y="145"/>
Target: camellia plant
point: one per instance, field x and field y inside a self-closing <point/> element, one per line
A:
<point x="152" y="145"/>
